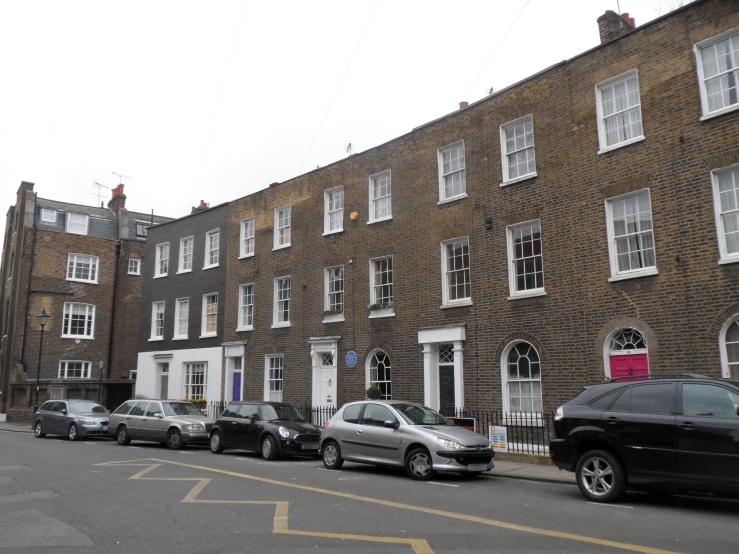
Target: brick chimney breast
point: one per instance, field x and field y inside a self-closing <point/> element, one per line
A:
<point x="118" y="199"/>
<point x="611" y="25"/>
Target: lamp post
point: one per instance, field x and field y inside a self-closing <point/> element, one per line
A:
<point x="43" y="317"/>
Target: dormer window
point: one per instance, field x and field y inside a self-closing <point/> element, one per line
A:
<point x="77" y="223"/>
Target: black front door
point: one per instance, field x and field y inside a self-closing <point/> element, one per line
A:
<point x="446" y="389"/>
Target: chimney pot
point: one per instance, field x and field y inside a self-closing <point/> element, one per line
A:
<point x="463" y="104"/>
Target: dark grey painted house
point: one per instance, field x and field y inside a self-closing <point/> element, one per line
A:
<point x="180" y="342"/>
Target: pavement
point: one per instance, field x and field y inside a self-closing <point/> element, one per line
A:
<point x="96" y="496"/>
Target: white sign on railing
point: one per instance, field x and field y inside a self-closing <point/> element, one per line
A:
<point x="499" y="438"/>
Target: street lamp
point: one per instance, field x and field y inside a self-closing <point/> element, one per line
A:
<point x="43" y="317"/>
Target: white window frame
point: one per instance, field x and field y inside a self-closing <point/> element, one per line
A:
<point x="276" y="245"/>
<point x="275" y="303"/>
<point x="539" y="291"/>
<point x="530" y="419"/>
<point x="617" y="275"/>
<point x="390" y="310"/>
<point x="326" y="299"/>
<point x="68" y="220"/>
<point x="724" y="256"/>
<point x="240" y="326"/>
<point x="94" y="261"/>
<point x="204" y="333"/>
<point x="178" y="313"/>
<point x="245" y="252"/>
<point x="368" y="382"/>
<point x="268" y="378"/>
<point x="440" y="163"/>
<point x="184" y="242"/>
<point x="155" y="311"/>
<point x="45" y="212"/>
<point x="698" y="50"/>
<point x="64" y="369"/>
<point x="187" y="384"/>
<point x="725" y="366"/>
<point x="372" y="199"/>
<point x="137" y="271"/>
<point x="89" y="312"/>
<point x="602" y="139"/>
<point x="504" y="150"/>
<point x="207" y="264"/>
<point x="327" y="212"/>
<point x="159" y="259"/>
<point x="445" y="302"/>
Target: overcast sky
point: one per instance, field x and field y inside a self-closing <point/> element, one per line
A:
<point x="215" y="100"/>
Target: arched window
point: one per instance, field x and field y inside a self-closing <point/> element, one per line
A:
<point x="521" y="379"/>
<point x="730" y="348"/>
<point x="626" y="354"/>
<point x="379" y="373"/>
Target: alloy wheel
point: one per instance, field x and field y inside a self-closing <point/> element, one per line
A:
<point x="174" y="440"/>
<point x="214" y="442"/>
<point x="597" y="476"/>
<point x="72" y="432"/>
<point x="38" y="429"/>
<point x="267" y="448"/>
<point x="330" y="455"/>
<point x="420" y="464"/>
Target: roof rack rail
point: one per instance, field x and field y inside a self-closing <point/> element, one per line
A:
<point x="661" y="375"/>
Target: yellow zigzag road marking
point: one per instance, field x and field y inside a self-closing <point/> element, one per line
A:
<point x="280" y="526"/>
<point x="422" y="509"/>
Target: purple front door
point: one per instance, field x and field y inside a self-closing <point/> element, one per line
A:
<point x="237" y="387"/>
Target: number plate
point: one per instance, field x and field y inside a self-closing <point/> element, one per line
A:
<point x="309" y="447"/>
<point x="104" y="428"/>
<point x="477" y="467"/>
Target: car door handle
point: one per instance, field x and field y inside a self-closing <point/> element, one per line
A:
<point x="688" y="426"/>
<point x="143" y="419"/>
<point x="359" y="432"/>
<point x="613" y="421"/>
<point x="128" y="418"/>
<point x="233" y="423"/>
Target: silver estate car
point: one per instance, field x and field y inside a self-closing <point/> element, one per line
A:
<point x="72" y="418"/>
<point x="403" y="434"/>
<point x="171" y="422"/>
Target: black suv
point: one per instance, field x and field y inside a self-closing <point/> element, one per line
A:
<point x="659" y="432"/>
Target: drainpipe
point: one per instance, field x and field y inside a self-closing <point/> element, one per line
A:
<point x="28" y="297"/>
<point x="112" y="308"/>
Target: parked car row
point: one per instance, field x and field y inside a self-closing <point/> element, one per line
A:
<point x="388" y="433"/>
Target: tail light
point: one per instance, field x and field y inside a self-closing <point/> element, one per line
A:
<point x="324" y="425"/>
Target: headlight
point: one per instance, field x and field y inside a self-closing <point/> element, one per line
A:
<point x="195" y="427"/>
<point x="559" y="414"/>
<point x="85" y="421"/>
<point x="451" y="444"/>
<point x="284" y="433"/>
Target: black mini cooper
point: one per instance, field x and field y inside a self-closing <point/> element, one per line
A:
<point x="268" y="428"/>
<point x="661" y="432"/>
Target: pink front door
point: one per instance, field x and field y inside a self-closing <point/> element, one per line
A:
<point x="629" y="364"/>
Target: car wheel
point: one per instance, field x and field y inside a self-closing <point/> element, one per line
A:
<point x="39" y="431"/>
<point x="269" y="448"/>
<point x="174" y="440"/>
<point x="600" y="476"/>
<point x="72" y="432"/>
<point x="216" y="443"/>
<point x="331" y="456"/>
<point x="418" y="464"/>
<point x="122" y="436"/>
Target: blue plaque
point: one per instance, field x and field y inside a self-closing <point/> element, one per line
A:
<point x="351" y="358"/>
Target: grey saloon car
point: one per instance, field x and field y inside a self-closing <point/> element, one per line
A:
<point x="403" y="434"/>
<point x="71" y="418"/>
<point x="170" y="422"/>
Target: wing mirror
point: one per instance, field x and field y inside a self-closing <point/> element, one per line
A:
<point x="158" y="414"/>
<point x="255" y="418"/>
<point x="391" y="424"/>
<point x="64" y="411"/>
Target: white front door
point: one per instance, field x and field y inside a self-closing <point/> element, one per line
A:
<point x="328" y="385"/>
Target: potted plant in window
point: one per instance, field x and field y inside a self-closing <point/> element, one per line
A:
<point x="374" y="393"/>
<point x="328" y="313"/>
<point x="379" y="307"/>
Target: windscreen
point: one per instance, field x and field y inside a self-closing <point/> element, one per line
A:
<point x="413" y="414"/>
<point x="83" y="407"/>
<point x="286" y="412"/>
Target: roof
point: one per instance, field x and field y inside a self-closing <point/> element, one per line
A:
<point x="97" y="211"/>
<point x="176" y="219"/>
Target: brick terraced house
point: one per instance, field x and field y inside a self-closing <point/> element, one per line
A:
<point x="183" y="305"/>
<point x="580" y="224"/>
<point x="83" y="266"/>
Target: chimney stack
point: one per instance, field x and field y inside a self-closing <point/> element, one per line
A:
<point x="117" y="200"/>
<point x="202" y="207"/>
<point x="612" y="26"/>
<point x="463" y="104"/>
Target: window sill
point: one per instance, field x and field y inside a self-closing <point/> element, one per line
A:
<point x="519" y="179"/>
<point x="184" y="271"/>
<point x="635" y="275"/>
<point x="281" y="325"/>
<point x="178" y="338"/>
<point x="621" y="144"/>
<point x="208" y="336"/>
<point x="459" y="304"/>
<point x="281" y="247"/>
<point x="333" y="318"/>
<point x="726" y="261"/>
<point x="156" y="339"/>
<point x="375" y="314"/>
<point x="82" y="281"/>
<point x="388" y="218"/>
<point x="240" y="329"/>
<point x="160" y="276"/>
<point x="133" y="274"/>
<point x="334" y="232"/>
<point x="246" y="256"/>
<point x="527" y="294"/>
<point x="77" y="338"/>
<point x="722" y="111"/>
<point x="209" y="266"/>
<point x="452" y="199"/>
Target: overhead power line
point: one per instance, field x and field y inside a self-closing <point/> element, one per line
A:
<point x="339" y="86"/>
<point x="495" y="50"/>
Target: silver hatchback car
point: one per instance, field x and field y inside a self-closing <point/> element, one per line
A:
<point x="403" y="434"/>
